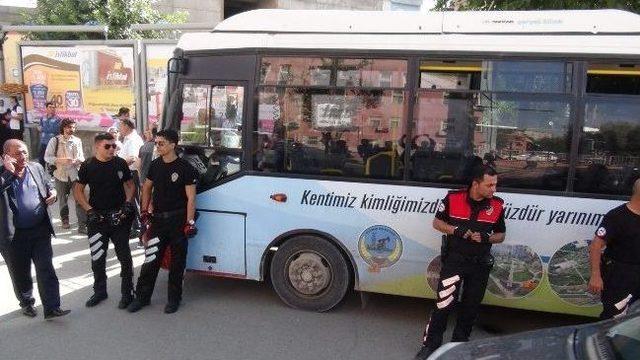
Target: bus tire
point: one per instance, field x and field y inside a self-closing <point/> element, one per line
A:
<point x="309" y="273"/>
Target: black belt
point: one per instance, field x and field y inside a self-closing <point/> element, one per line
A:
<point x="608" y="258"/>
<point x="169" y="214"/>
<point x="108" y="212"/>
<point x="474" y="259"/>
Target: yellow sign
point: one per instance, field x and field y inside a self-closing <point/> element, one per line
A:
<point x="87" y="83"/>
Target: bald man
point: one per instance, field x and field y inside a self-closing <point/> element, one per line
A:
<point x="615" y="274"/>
<point x="25" y="229"/>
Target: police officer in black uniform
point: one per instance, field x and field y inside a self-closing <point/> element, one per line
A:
<point x="472" y="220"/>
<point x="110" y="211"/>
<point x="616" y="274"/>
<point x="172" y="182"/>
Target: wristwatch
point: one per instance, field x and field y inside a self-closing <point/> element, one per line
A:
<point x="191" y="222"/>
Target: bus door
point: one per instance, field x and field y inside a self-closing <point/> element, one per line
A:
<point x="211" y="140"/>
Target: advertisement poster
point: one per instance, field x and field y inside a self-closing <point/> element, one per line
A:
<point x="157" y="56"/>
<point x="87" y="83"/>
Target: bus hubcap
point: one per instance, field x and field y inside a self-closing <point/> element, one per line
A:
<point x="309" y="274"/>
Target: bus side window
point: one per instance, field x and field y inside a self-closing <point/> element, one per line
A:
<point x="210" y="130"/>
<point x="511" y="115"/>
<point x="355" y="129"/>
<point x="609" y="160"/>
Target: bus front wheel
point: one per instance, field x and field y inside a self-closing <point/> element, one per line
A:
<point x="309" y="273"/>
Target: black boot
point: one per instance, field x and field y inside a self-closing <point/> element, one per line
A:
<point x="125" y="301"/>
<point x="171" y="307"/>
<point x="424" y="353"/>
<point x="136" y="305"/>
<point x="95" y="299"/>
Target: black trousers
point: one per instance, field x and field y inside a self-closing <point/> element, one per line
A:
<point x="33" y="245"/>
<point x="621" y="286"/>
<point x="456" y="271"/>
<point x="136" y="225"/>
<point x="23" y="299"/>
<point x="99" y="236"/>
<point x="165" y="233"/>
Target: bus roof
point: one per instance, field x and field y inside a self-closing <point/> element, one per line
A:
<point x="366" y="30"/>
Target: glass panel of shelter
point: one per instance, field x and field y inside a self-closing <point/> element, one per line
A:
<point x="512" y="115"/>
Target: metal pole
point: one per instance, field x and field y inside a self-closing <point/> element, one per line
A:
<point x="187" y="26"/>
<point x="56" y="28"/>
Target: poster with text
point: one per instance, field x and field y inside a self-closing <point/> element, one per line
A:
<point x="87" y="83"/>
<point x="157" y="56"/>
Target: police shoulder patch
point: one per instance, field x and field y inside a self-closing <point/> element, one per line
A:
<point x="174" y="177"/>
<point x="602" y="232"/>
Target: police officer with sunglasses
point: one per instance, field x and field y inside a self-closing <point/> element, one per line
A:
<point x="110" y="211"/>
<point x="170" y="190"/>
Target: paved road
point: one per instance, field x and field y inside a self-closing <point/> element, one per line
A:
<point x="222" y="319"/>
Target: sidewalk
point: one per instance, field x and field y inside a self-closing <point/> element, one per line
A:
<point x="71" y="259"/>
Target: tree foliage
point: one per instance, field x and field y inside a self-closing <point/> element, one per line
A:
<point x="118" y="15"/>
<point x="631" y="5"/>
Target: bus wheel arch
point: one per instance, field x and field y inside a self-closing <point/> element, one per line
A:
<point x="330" y="264"/>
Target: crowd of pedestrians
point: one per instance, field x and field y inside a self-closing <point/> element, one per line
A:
<point x="107" y="189"/>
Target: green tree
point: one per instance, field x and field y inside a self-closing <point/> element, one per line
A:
<point x="118" y="15"/>
<point x="631" y="5"/>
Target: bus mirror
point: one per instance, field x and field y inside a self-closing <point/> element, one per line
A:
<point x="177" y="66"/>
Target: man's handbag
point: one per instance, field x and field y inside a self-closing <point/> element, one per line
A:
<point x="52" y="167"/>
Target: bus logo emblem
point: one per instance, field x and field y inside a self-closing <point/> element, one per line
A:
<point x="380" y="246"/>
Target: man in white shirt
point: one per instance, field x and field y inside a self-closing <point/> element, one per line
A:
<point x="131" y="144"/>
<point x="16" y="124"/>
<point x="64" y="151"/>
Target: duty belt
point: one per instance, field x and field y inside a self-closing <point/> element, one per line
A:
<point x="473" y="259"/>
<point x="169" y="214"/>
<point x="607" y="259"/>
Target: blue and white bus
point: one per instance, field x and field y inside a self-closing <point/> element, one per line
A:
<point x="326" y="139"/>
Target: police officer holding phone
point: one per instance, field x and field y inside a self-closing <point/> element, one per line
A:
<point x="171" y="181"/>
<point x="472" y="219"/>
<point x="110" y="211"/>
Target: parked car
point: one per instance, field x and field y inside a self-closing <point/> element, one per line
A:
<point x="617" y="339"/>
<point x="538" y="156"/>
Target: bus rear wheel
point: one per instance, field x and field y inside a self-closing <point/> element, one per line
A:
<point x="309" y="273"/>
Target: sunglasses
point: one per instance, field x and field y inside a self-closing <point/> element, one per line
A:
<point x="108" y="146"/>
<point x="161" y="143"/>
